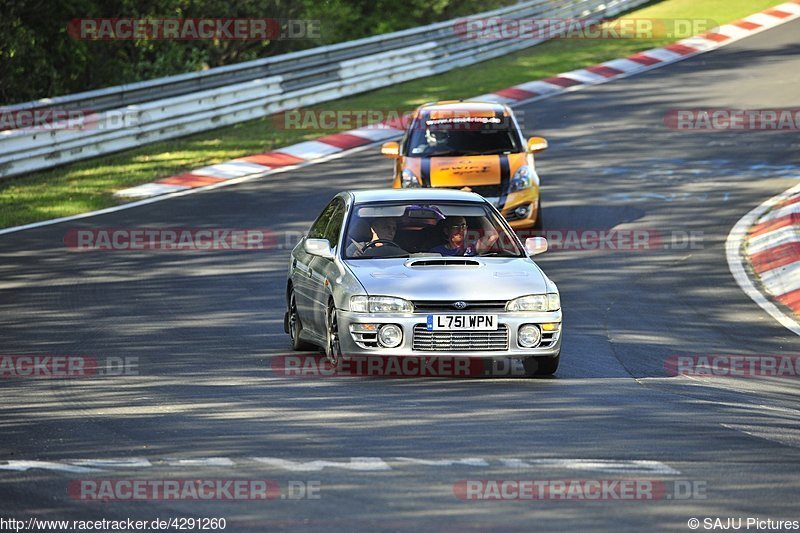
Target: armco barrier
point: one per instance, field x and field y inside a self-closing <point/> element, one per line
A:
<point x="145" y="112"/>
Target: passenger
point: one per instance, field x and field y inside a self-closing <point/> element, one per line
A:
<point x="381" y="229"/>
<point x="455" y="230"/>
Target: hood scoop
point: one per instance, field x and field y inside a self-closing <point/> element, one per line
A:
<point x="444" y="261"/>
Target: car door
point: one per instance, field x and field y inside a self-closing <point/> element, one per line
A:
<point x="324" y="270"/>
<point x="303" y="272"/>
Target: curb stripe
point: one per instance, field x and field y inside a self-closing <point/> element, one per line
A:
<point x="561" y="81"/>
<point x="681" y="49"/>
<point x="190" y="180"/>
<point x="272" y="159"/>
<point x="643" y="59"/>
<point x="605" y="70"/>
<point x="344" y="140"/>
<point x="772" y="225"/>
<point x="515" y="93"/>
<point x="775" y="257"/>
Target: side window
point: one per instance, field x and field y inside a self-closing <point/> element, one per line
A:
<point x="335" y="224"/>
<point x="317" y="230"/>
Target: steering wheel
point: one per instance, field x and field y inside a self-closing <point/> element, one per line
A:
<point x="376" y="242"/>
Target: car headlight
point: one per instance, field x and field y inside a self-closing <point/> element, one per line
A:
<point x="535" y="302"/>
<point x="380" y="304"/>
<point x="521" y="179"/>
<point x="409" y="180"/>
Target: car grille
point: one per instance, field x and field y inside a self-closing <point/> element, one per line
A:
<point x="460" y="341"/>
<point x="446" y="306"/>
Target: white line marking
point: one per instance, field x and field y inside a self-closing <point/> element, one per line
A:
<point x="598" y="465"/>
<point x="355" y="463"/>
<point x="469" y="461"/>
<point x="112" y="463"/>
<point x="22" y="466"/>
<point x="734" y="251"/>
<point x="204" y="461"/>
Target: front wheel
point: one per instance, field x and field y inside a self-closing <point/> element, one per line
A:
<point x="541" y="366"/>
<point x="333" y="350"/>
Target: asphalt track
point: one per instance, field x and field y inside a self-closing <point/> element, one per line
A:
<point x="206" y="325"/>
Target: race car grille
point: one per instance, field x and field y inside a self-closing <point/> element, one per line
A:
<point x="439" y="306"/>
<point x="460" y="341"/>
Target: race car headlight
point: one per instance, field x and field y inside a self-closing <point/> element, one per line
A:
<point x="535" y="302"/>
<point x="380" y="304"/>
<point x="409" y="180"/>
<point x="521" y="179"/>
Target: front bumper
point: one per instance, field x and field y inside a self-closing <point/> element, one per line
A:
<point x="354" y="345"/>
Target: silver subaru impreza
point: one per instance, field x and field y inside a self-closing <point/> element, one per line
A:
<point x="420" y="273"/>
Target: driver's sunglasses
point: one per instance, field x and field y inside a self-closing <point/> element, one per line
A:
<point x="464" y="225"/>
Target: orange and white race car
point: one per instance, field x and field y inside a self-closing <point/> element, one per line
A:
<point x="472" y="146"/>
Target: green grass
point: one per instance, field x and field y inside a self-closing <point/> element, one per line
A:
<point x="89" y="185"/>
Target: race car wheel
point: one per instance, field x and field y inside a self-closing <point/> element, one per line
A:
<point x="541" y="366"/>
<point x="294" y="327"/>
<point x="333" y="350"/>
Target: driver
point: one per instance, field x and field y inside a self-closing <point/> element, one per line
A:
<point x="382" y="229"/>
<point x="455" y="230"/>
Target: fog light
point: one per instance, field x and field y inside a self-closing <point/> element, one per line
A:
<point x="390" y="336"/>
<point x="529" y="336"/>
<point x="364" y="328"/>
<point x="522" y="211"/>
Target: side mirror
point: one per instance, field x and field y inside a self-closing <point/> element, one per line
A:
<point x="537" y="144"/>
<point x="535" y="245"/>
<point x="318" y="247"/>
<point x="391" y="149"/>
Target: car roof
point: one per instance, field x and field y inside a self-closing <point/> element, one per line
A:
<point x="415" y="194"/>
<point x="465" y="106"/>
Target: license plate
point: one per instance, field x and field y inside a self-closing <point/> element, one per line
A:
<point x="459" y="322"/>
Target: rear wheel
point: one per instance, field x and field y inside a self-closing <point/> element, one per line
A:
<point x="541" y="366"/>
<point x="293" y="326"/>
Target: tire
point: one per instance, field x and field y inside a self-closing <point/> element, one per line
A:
<point x="333" y="349"/>
<point x="292" y="325"/>
<point x="541" y="366"/>
<point x="539" y="224"/>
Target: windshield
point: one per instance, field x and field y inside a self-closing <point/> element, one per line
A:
<point x="391" y="230"/>
<point x="462" y="135"/>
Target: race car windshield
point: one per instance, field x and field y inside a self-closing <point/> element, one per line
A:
<point x="459" y="136"/>
<point x="395" y="230"/>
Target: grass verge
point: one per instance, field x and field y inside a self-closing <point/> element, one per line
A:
<point x="89" y="185"/>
